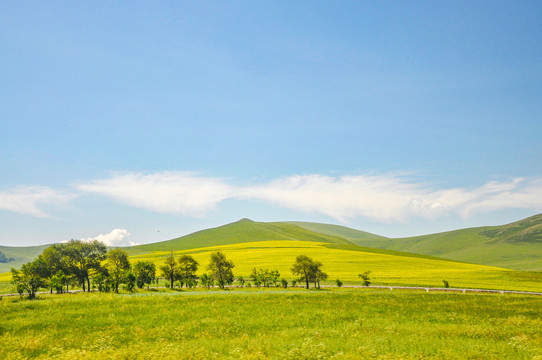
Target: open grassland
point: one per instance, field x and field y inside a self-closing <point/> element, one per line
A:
<point x="261" y="324"/>
<point x="343" y="263"/>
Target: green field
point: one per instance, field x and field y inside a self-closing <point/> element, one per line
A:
<point x="262" y="324"/>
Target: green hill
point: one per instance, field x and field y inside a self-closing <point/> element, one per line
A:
<point x="21" y="255"/>
<point x="337" y="230"/>
<point x="515" y="246"/>
<point x="242" y="231"/>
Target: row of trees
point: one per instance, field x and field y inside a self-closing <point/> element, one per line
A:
<point x="183" y="270"/>
<point x="77" y="262"/>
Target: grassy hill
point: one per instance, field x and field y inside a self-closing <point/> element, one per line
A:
<point x="516" y="246"/>
<point x="337" y="230"/>
<point x="20" y="255"/>
<point x="244" y="230"/>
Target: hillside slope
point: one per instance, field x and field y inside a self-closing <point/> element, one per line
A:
<point x="21" y="255"/>
<point x="337" y="230"/>
<point x="242" y="231"/>
<point x="517" y="245"/>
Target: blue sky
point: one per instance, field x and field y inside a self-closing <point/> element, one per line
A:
<point x="162" y="118"/>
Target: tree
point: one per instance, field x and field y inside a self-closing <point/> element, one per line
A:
<point x="130" y="280"/>
<point x="58" y="281"/>
<point x="170" y="270"/>
<point x="206" y="281"/>
<point x="257" y="277"/>
<point x="82" y="257"/>
<point x="56" y="262"/>
<point x="221" y="269"/>
<point x="117" y="265"/>
<point x="274" y="277"/>
<point x="365" y="278"/>
<point x="31" y="277"/>
<point x="339" y="283"/>
<point x="303" y="267"/>
<point x="317" y="274"/>
<point x="187" y="269"/>
<point x="144" y="272"/>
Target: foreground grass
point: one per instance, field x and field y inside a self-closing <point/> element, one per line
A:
<point x="261" y="324"/>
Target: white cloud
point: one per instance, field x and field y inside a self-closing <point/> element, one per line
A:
<point x="29" y="200"/>
<point x="385" y="198"/>
<point x="393" y="198"/>
<point x="183" y="193"/>
<point x="117" y="237"/>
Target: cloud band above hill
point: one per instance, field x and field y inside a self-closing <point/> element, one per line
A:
<point x="384" y="198"/>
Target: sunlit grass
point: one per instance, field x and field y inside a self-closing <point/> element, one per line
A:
<point x="260" y="324"/>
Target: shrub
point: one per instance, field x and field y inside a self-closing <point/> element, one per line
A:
<point x="339" y="283"/>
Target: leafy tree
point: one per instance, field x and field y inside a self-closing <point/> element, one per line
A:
<point x="117" y="266"/>
<point x="257" y="277"/>
<point x="144" y="272"/>
<point x="170" y="269"/>
<point x="317" y="274"/>
<point x="303" y="267"/>
<point x="58" y="281"/>
<point x="82" y="257"/>
<point x="130" y="280"/>
<point x="241" y="280"/>
<point x="187" y="269"/>
<point x="365" y="278"/>
<point x="339" y="283"/>
<point x="274" y="277"/>
<point x="56" y="262"/>
<point x="221" y="269"/>
<point x="101" y="280"/>
<point x="206" y="281"/>
<point x="31" y="277"/>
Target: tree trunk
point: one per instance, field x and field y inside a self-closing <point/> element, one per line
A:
<point x="88" y="283"/>
<point x="171" y="282"/>
<point x="83" y="285"/>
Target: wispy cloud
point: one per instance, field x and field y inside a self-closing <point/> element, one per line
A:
<point x="394" y="198"/>
<point x="30" y="200"/>
<point x="184" y="193"/>
<point x="385" y="198"/>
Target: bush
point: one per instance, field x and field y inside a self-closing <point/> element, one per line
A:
<point x="446" y="285"/>
<point x="284" y="283"/>
<point x="339" y="283"/>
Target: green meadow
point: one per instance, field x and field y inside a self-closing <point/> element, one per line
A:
<point x="272" y="324"/>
